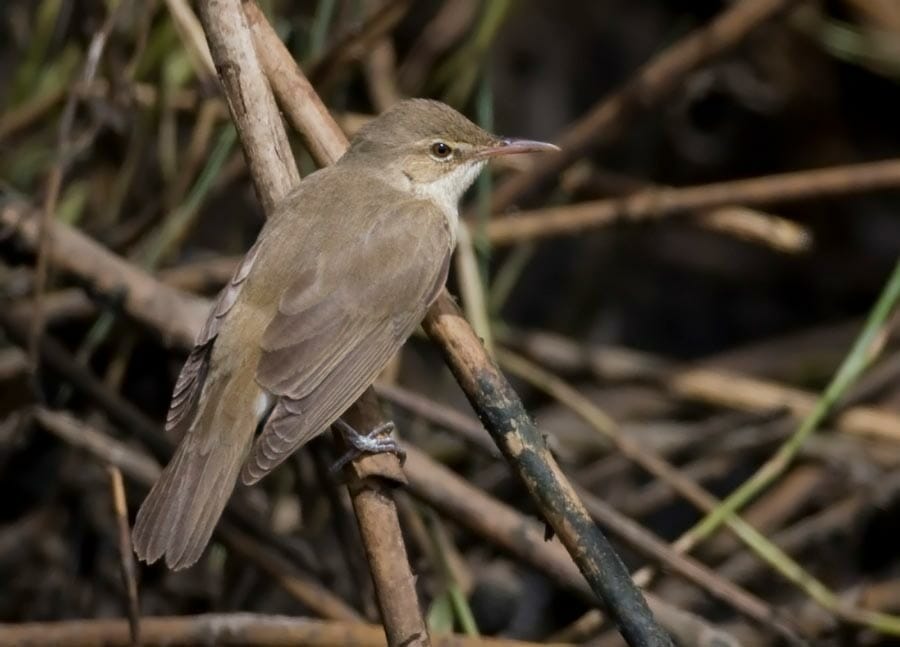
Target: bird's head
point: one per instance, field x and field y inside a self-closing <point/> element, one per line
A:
<point x="432" y="149"/>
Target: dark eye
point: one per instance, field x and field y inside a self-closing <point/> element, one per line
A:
<point x="441" y="150"/>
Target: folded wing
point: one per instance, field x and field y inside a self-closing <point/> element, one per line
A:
<point x="337" y="328"/>
<point x="189" y="385"/>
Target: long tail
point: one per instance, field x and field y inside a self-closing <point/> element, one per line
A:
<point x="177" y="518"/>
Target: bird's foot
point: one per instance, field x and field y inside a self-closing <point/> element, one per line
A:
<point x="377" y="441"/>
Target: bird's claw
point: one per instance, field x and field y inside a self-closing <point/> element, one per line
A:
<point x="377" y="441"/>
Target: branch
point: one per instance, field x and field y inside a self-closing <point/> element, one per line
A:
<point x="658" y="202"/>
<point x="618" y="524"/>
<point x="651" y="83"/>
<point x="775" y="232"/>
<point x="719" y="387"/>
<point x="358" y="43"/>
<point x="176" y="315"/>
<point x="220" y="629"/>
<point x="143" y="470"/>
<point x="126" y="555"/>
<point x="250" y="102"/>
<point x="509" y="529"/>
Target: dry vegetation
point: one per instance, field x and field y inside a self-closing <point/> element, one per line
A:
<point x="695" y="302"/>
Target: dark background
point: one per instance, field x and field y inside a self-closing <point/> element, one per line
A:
<point x="815" y="87"/>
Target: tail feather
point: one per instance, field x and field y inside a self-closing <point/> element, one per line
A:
<point x="177" y="518"/>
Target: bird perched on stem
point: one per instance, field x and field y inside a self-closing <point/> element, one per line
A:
<point x="339" y="277"/>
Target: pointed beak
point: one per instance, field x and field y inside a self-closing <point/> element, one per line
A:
<point x="509" y="146"/>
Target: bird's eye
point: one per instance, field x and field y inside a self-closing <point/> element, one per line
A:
<point x="440" y="150"/>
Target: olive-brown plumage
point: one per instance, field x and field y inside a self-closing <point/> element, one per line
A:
<point x="338" y="279"/>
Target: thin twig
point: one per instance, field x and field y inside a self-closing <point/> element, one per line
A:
<point x="858" y="358"/>
<point x="441" y="549"/>
<point x="61" y="362"/>
<point x="630" y="532"/>
<point x="202" y="275"/>
<point x="302" y="105"/>
<point x="688" y="568"/>
<point x="358" y="43"/>
<point x="775" y="232"/>
<point x="55" y="179"/>
<point x="370" y="485"/>
<point x="656" y="203"/>
<point x="463" y="425"/>
<point x="17" y="117"/>
<point x="659" y="76"/>
<point x="126" y="555"/>
<point x="162" y="242"/>
<point x="298" y="585"/>
<point x="381" y="75"/>
<point x="345" y="526"/>
<point x="507" y="528"/>
<point x="471" y="286"/>
<point x="247" y="629"/>
<point x="143" y="470"/>
<point x="719" y="387"/>
<point x="174" y="315"/>
<point x="791" y="494"/>
<point x="504" y="416"/>
<point x="837" y="518"/>
<point x="250" y="102"/>
<point x="448" y="25"/>
<point x="191" y="33"/>
<point x="703" y="500"/>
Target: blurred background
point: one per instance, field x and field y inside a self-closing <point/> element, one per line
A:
<point x="705" y="334"/>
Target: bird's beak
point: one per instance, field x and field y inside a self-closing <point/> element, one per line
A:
<point x="510" y="146"/>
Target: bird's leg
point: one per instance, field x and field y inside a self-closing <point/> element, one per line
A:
<point x="378" y="440"/>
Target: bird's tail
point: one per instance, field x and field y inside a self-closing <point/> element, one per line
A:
<point x="177" y="518"/>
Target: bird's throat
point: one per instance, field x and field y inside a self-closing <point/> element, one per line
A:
<point x="447" y="190"/>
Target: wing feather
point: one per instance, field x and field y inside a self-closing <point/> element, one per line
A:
<point x="310" y="339"/>
<point x="189" y="385"/>
<point x="332" y="336"/>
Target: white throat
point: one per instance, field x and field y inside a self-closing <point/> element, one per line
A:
<point x="446" y="191"/>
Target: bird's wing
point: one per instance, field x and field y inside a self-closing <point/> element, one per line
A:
<point x="336" y="330"/>
<point x="193" y="374"/>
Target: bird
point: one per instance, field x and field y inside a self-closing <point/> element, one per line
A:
<point x="340" y="275"/>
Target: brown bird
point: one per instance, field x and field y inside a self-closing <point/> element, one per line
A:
<point x="338" y="279"/>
